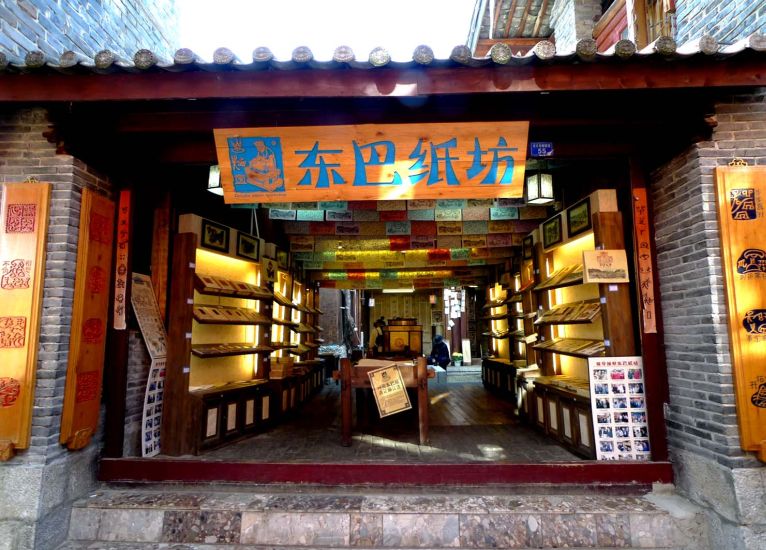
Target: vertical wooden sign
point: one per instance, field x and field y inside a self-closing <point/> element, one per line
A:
<point x="121" y="265"/>
<point x="741" y="193"/>
<point x="82" y="397"/>
<point x="23" y="232"/>
<point x="644" y="260"/>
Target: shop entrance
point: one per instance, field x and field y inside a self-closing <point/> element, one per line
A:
<point x="489" y="290"/>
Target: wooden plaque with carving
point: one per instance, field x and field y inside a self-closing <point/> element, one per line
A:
<point x="741" y="194"/>
<point x="89" y="321"/>
<point x="23" y="231"/>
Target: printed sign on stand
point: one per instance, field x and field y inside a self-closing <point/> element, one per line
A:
<point x="389" y="390"/>
<point x="618" y="402"/>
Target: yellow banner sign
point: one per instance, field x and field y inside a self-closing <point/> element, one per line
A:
<point x="373" y="162"/>
<point x="741" y="194"/>
<point x="23" y="231"/>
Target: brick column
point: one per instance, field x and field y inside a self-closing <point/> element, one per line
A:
<point x="701" y="418"/>
<point x="573" y="20"/>
<point x="37" y="486"/>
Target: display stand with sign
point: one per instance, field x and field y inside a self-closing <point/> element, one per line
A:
<point x="413" y="375"/>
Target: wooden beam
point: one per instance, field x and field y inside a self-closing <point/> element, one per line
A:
<point x="498" y="5"/>
<point x="637" y="75"/>
<point x="540" y="17"/>
<point x="509" y="21"/>
<point x="523" y="21"/>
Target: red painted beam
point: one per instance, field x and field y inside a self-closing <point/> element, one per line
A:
<point x="654" y="73"/>
<point x="199" y="471"/>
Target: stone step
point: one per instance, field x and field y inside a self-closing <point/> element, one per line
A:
<point x="204" y="517"/>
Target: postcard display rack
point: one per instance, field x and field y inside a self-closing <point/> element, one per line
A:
<point x="505" y="320"/>
<point x="221" y="342"/>
<point x="576" y="321"/>
<point x="295" y="372"/>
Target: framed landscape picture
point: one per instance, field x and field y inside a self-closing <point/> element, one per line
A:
<point x="526" y="247"/>
<point x="578" y="217"/>
<point x="248" y="247"/>
<point x="215" y="236"/>
<point x="552" y="231"/>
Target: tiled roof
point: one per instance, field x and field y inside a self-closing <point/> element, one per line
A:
<point x="344" y="57"/>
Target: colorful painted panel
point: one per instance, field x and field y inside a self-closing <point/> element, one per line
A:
<point x="372" y="162"/>
<point x="23" y="233"/>
<point x="741" y="193"/>
<point x="87" y="341"/>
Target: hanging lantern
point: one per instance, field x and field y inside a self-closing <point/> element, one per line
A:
<point x="540" y="188"/>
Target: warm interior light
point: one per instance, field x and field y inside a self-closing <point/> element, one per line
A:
<point x="539" y="188"/>
<point x="214" y="180"/>
<point x="398" y="290"/>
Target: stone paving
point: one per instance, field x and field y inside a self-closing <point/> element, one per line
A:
<point x="178" y="518"/>
<point x="314" y="435"/>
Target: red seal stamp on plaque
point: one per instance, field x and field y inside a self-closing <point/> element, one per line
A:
<point x="10" y="388"/>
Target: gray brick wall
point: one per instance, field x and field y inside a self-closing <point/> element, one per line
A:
<point x="702" y="417"/>
<point x="726" y="20"/>
<point x="55" y="26"/>
<point x="138" y="372"/>
<point x="47" y="474"/>
<point x="573" y="20"/>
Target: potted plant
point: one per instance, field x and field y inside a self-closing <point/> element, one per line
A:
<point x="457" y="359"/>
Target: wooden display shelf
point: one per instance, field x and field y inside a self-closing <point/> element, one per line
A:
<point x="220" y="315"/>
<point x="569" y="346"/>
<point x="496" y="317"/>
<point x="300" y="349"/>
<point x="319" y="340"/>
<point x="281" y="300"/>
<point x="567" y="276"/>
<point x="282" y="345"/>
<point x="285" y="323"/>
<point x="577" y="313"/>
<point x="307" y="363"/>
<point x="205" y="351"/>
<point x="318" y="328"/>
<point x="303" y="328"/>
<point x="496" y="335"/>
<point x="498" y="303"/>
<point x="218" y="286"/>
<point x="311" y="345"/>
<point x="227" y="387"/>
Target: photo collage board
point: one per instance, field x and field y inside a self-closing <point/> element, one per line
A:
<point x="618" y="402"/>
<point x="153" y="330"/>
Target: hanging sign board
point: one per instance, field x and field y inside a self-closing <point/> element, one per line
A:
<point x="82" y="395"/>
<point x="372" y="162"/>
<point x="644" y="260"/>
<point x="23" y="231"/>
<point x="389" y="390"/>
<point x="741" y="194"/>
<point x="121" y="265"/>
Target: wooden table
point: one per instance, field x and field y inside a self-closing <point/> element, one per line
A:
<point x="415" y="376"/>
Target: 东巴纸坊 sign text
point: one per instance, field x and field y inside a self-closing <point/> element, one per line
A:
<point x="373" y="162"/>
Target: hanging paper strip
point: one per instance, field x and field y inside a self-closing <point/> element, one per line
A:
<point x="309" y="215"/>
<point x="121" y="264"/>
<point x="332" y="205"/>
<point x="82" y="396"/>
<point x="448" y="215"/>
<point x="450" y="203"/>
<point x="338" y="216"/>
<point x="23" y="233"/>
<point x="393" y="216"/>
<point x="422" y="204"/>
<point x="366" y="215"/>
<point x="421" y="215"/>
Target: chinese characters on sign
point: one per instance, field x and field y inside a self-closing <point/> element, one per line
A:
<point x="79" y="418"/>
<point x="644" y="257"/>
<point x="121" y="265"/>
<point x="740" y="192"/>
<point x="618" y="403"/>
<point x="23" y="232"/>
<point x="372" y="162"/>
<point x="389" y="390"/>
<point x="149" y="319"/>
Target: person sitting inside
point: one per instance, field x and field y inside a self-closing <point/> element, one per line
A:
<point x="439" y="352"/>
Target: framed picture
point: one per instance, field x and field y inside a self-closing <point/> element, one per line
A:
<point x="437" y="317"/>
<point x="214" y="236"/>
<point x="283" y="259"/>
<point x="552" y="231"/>
<point x="527" y="245"/>
<point x="578" y="217"/>
<point x="248" y="247"/>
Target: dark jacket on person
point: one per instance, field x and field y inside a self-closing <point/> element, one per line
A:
<point x="440" y="353"/>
